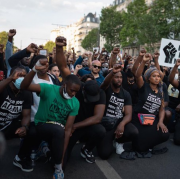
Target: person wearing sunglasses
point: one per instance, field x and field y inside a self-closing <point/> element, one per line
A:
<point x="94" y="70"/>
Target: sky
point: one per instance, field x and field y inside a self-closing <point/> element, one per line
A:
<point x="33" y="19"/>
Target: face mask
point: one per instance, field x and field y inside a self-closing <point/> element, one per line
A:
<point x="176" y="77"/>
<point x="131" y="82"/>
<point x="65" y="94"/>
<point x="18" y="82"/>
<point x="104" y="69"/>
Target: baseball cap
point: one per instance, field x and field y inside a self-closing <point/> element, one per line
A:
<point x="91" y="91"/>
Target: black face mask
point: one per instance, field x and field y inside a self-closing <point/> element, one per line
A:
<point x="131" y="82"/>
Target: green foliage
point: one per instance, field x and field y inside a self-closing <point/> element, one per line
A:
<point x="90" y="40"/>
<point x="3" y="38"/>
<point x="111" y="24"/>
<point x="141" y="24"/>
<point x="166" y="15"/>
<point x="49" y="46"/>
<point x="131" y="33"/>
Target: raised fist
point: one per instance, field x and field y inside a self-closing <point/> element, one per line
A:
<point x="61" y="41"/>
<point x="170" y="52"/>
<point x="177" y="62"/>
<point x="78" y="67"/>
<point x="41" y="47"/>
<point x="142" y="52"/>
<point x="115" y="51"/>
<point x="156" y="55"/>
<point x="146" y="57"/>
<point x="32" y="48"/>
<point x="12" y="32"/>
<point x="116" y="68"/>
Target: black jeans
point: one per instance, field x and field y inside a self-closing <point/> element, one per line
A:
<point x="148" y="136"/>
<point x="54" y="135"/>
<point x="27" y="142"/>
<point x="105" y="147"/>
<point x="93" y="134"/>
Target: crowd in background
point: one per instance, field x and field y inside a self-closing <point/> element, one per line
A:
<point x="101" y="99"/>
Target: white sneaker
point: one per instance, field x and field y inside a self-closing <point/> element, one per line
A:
<point x="119" y="148"/>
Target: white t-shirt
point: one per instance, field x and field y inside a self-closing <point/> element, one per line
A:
<point x="36" y="99"/>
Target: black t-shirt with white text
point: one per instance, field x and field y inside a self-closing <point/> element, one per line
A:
<point x="11" y="107"/>
<point x="149" y="102"/>
<point x="86" y="110"/>
<point x="115" y="102"/>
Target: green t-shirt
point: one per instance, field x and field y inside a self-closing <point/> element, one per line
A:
<point x="53" y="107"/>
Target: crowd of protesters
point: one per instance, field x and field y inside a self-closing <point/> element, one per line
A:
<point x="100" y="99"/>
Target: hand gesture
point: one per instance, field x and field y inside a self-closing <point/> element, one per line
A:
<point x="41" y="65"/>
<point x="103" y="50"/>
<point x="12" y="33"/>
<point x="119" y="131"/>
<point x="41" y="47"/>
<point x="116" y="68"/>
<point x="162" y="126"/>
<point x="128" y="57"/>
<point x="156" y="55"/>
<point x="84" y="55"/>
<point x="61" y="41"/>
<point x="72" y="48"/>
<point x="78" y="67"/>
<point x="177" y="62"/>
<point x="32" y="48"/>
<point x="142" y="52"/>
<point x="21" y="131"/>
<point x="147" y="57"/>
<point x="115" y="51"/>
<point x="15" y="75"/>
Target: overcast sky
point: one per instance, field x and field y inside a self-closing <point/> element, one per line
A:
<point x="34" y="19"/>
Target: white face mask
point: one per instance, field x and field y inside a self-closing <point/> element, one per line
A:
<point x="176" y="77"/>
<point x="65" y="94"/>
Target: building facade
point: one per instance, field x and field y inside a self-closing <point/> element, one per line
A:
<point x="76" y="32"/>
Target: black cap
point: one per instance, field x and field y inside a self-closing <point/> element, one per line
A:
<point x="91" y="90"/>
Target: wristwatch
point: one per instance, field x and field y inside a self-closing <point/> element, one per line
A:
<point x="27" y="127"/>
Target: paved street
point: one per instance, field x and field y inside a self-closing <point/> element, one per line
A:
<point x="164" y="166"/>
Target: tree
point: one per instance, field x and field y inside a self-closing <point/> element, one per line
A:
<point x="131" y="33"/>
<point x="90" y="40"/>
<point x="3" y="38"/>
<point x="166" y="14"/>
<point x="49" y="46"/>
<point x="111" y="24"/>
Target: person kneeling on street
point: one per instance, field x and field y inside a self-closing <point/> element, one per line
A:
<point x="56" y="113"/>
<point x="117" y="116"/>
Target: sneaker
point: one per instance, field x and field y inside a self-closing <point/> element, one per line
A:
<point x="24" y="165"/>
<point x="119" y="148"/>
<point x="58" y="174"/>
<point x="87" y="155"/>
<point x="39" y="152"/>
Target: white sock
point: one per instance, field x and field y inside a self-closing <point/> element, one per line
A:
<point x="17" y="158"/>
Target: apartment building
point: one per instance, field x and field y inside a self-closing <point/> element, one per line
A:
<point x="76" y="32"/>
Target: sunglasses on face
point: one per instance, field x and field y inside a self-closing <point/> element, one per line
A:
<point x="95" y="66"/>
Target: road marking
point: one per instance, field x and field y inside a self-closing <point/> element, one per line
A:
<point x="107" y="169"/>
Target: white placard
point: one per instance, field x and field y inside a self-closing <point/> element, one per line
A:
<point x="97" y="49"/>
<point x="169" y="52"/>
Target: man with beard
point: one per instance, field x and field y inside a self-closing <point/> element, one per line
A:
<point x="119" y="110"/>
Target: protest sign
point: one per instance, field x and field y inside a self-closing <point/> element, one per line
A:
<point x="169" y="52"/>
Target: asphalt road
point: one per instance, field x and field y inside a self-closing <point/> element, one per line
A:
<point x="165" y="166"/>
